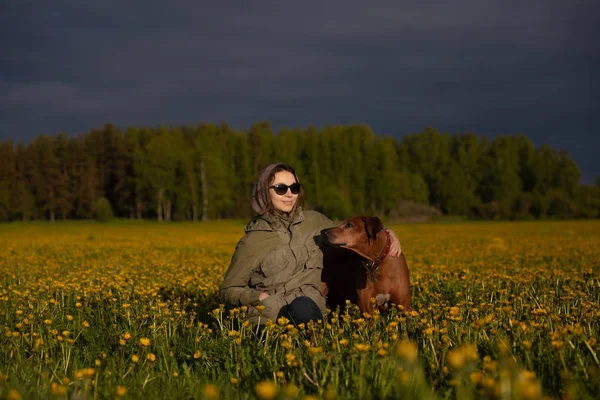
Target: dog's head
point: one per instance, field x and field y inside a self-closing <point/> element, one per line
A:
<point x="355" y="234"/>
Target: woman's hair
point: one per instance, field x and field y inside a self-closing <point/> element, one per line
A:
<point x="261" y="201"/>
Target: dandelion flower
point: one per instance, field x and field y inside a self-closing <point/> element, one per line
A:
<point x="58" y="390"/>
<point x="210" y="391"/>
<point x="121" y="390"/>
<point x="265" y="390"/>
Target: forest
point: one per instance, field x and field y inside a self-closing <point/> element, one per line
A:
<point x="206" y="172"/>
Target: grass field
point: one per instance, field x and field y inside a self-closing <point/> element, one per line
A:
<point x="129" y="309"/>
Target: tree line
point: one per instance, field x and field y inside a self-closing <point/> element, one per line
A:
<point x="207" y="171"/>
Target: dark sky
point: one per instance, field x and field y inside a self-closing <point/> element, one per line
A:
<point x="493" y="68"/>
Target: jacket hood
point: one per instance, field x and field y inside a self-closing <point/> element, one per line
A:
<point x="270" y="222"/>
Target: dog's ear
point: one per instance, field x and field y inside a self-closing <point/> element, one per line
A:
<point x="372" y="225"/>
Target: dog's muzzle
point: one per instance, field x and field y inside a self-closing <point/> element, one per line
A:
<point x="325" y="239"/>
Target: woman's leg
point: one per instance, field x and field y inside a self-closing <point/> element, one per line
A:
<point x="303" y="309"/>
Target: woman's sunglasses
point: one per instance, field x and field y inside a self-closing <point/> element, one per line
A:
<point x="282" y="188"/>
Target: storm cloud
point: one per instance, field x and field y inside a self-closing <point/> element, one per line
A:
<point x="503" y="67"/>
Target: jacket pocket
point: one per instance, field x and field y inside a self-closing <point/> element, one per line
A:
<point x="274" y="262"/>
<point x="315" y="256"/>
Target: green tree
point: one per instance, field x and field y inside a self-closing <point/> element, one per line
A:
<point x="456" y="191"/>
<point x="261" y="145"/>
<point x="386" y="191"/>
<point x="64" y="201"/>
<point x="84" y="180"/>
<point x="216" y="171"/>
<point x="359" y="157"/>
<point x="156" y="165"/>
<point x="589" y="201"/>
<point x="8" y="180"/>
<point x="242" y="177"/>
<point x="24" y="202"/>
<point x="49" y="180"/>
<point x="103" y="210"/>
<point x="312" y="178"/>
<point x="429" y="152"/>
<point x="501" y="183"/>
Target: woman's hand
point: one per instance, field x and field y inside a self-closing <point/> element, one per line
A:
<point x="263" y="296"/>
<point x="395" y="248"/>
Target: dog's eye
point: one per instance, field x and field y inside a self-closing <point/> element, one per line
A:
<point x="348" y="225"/>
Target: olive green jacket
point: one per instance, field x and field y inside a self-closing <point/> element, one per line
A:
<point x="281" y="260"/>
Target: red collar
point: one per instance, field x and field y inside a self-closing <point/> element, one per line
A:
<point x="373" y="266"/>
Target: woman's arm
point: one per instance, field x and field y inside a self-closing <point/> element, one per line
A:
<point x="234" y="288"/>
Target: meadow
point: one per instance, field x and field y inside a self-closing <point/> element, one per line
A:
<point x="130" y="310"/>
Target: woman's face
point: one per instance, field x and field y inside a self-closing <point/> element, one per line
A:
<point x="284" y="203"/>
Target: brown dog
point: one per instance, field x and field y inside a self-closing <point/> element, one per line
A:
<point x="366" y="271"/>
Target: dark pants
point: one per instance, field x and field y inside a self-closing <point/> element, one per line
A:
<point x="301" y="310"/>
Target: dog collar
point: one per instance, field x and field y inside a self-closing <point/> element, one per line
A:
<point x="373" y="266"/>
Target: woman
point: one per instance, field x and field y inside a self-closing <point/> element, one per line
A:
<point x="277" y="264"/>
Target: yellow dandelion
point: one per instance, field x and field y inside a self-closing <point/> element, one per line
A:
<point x="57" y="389"/>
<point x="135" y="358"/>
<point x="557" y="344"/>
<point x="197" y="354"/>
<point x="315" y="350"/>
<point x="120" y="390"/>
<point x="476" y="377"/>
<point x="407" y="350"/>
<point x="210" y="391"/>
<point x="151" y="357"/>
<point x="362" y="347"/>
<point x="265" y="390"/>
<point x="145" y="342"/>
<point x="291" y="391"/>
<point x="13" y="394"/>
<point x="84" y="373"/>
<point x="460" y="356"/>
<point x="289" y="357"/>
